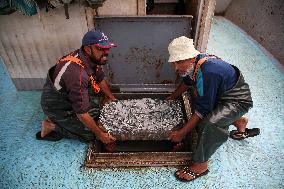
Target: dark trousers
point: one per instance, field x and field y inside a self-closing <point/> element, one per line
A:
<point x="213" y="129"/>
<point x="58" y="109"/>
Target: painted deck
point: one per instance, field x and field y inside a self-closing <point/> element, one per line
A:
<point x="253" y="163"/>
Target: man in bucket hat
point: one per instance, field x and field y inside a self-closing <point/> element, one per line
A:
<point x="68" y="97"/>
<point x="221" y="98"/>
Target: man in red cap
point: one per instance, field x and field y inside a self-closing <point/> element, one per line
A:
<point x="68" y="94"/>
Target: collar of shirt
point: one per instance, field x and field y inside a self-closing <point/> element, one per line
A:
<point x="198" y="57"/>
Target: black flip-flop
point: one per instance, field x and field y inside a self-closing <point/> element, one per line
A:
<point x="236" y="135"/>
<point x="194" y="175"/>
<point x="52" y="136"/>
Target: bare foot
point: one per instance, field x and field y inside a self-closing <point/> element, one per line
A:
<point x="46" y="127"/>
<point x="197" y="168"/>
<point x="241" y="124"/>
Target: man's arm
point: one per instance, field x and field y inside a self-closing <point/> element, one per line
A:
<point x="106" y="138"/>
<point x="180" y="89"/>
<point x="177" y="136"/>
<point x="105" y="88"/>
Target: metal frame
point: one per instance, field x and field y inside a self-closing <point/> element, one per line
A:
<point x="97" y="159"/>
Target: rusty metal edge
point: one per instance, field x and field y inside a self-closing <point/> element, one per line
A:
<point x="187" y="98"/>
<point x="142" y="163"/>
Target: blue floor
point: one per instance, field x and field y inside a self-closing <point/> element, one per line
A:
<point x="253" y="163"/>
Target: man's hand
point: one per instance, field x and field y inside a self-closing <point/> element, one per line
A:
<point x="108" y="100"/>
<point x="114" y="99"/>
<point x="106" y="138"/>
<point x="181" y="88"/>
<point x="110" y="147"/>
<point x="96" y="128"/>
<point x="176" y="136"/>
<point x="170" y="97"/>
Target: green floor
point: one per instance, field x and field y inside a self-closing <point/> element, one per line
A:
<point x="253" y="163"/>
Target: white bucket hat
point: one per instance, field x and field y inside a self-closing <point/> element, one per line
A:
<point x="182" y="48"/>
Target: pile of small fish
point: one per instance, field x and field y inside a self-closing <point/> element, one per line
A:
<point x="141" y="119"/>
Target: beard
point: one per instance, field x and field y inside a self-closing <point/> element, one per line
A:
<point x="189" y="72"/>
<point x="101" y="60"/>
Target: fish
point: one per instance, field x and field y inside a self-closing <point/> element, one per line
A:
<point x="141" y="118"/>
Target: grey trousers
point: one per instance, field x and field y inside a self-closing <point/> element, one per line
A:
<point x="213" y="129"/>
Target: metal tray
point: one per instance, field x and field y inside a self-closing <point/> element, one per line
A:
<point x="143" y="153"/>
<point x="150" y="134"/>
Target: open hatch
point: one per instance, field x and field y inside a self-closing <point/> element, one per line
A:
<point x="144" y="152"/>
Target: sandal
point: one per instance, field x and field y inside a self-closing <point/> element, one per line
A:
<point x="52" y="136"/>
<point x="194" y="175"/>
<point x="236" y="135"/>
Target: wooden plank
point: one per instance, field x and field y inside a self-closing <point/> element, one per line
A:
<point x="138" y="159"/>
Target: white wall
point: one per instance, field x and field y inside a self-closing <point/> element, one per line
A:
<point x="123" y="7"/>
<point x="263" y="20"/>
<point x="221" y="6"/>
<point x="29" y="46"/>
